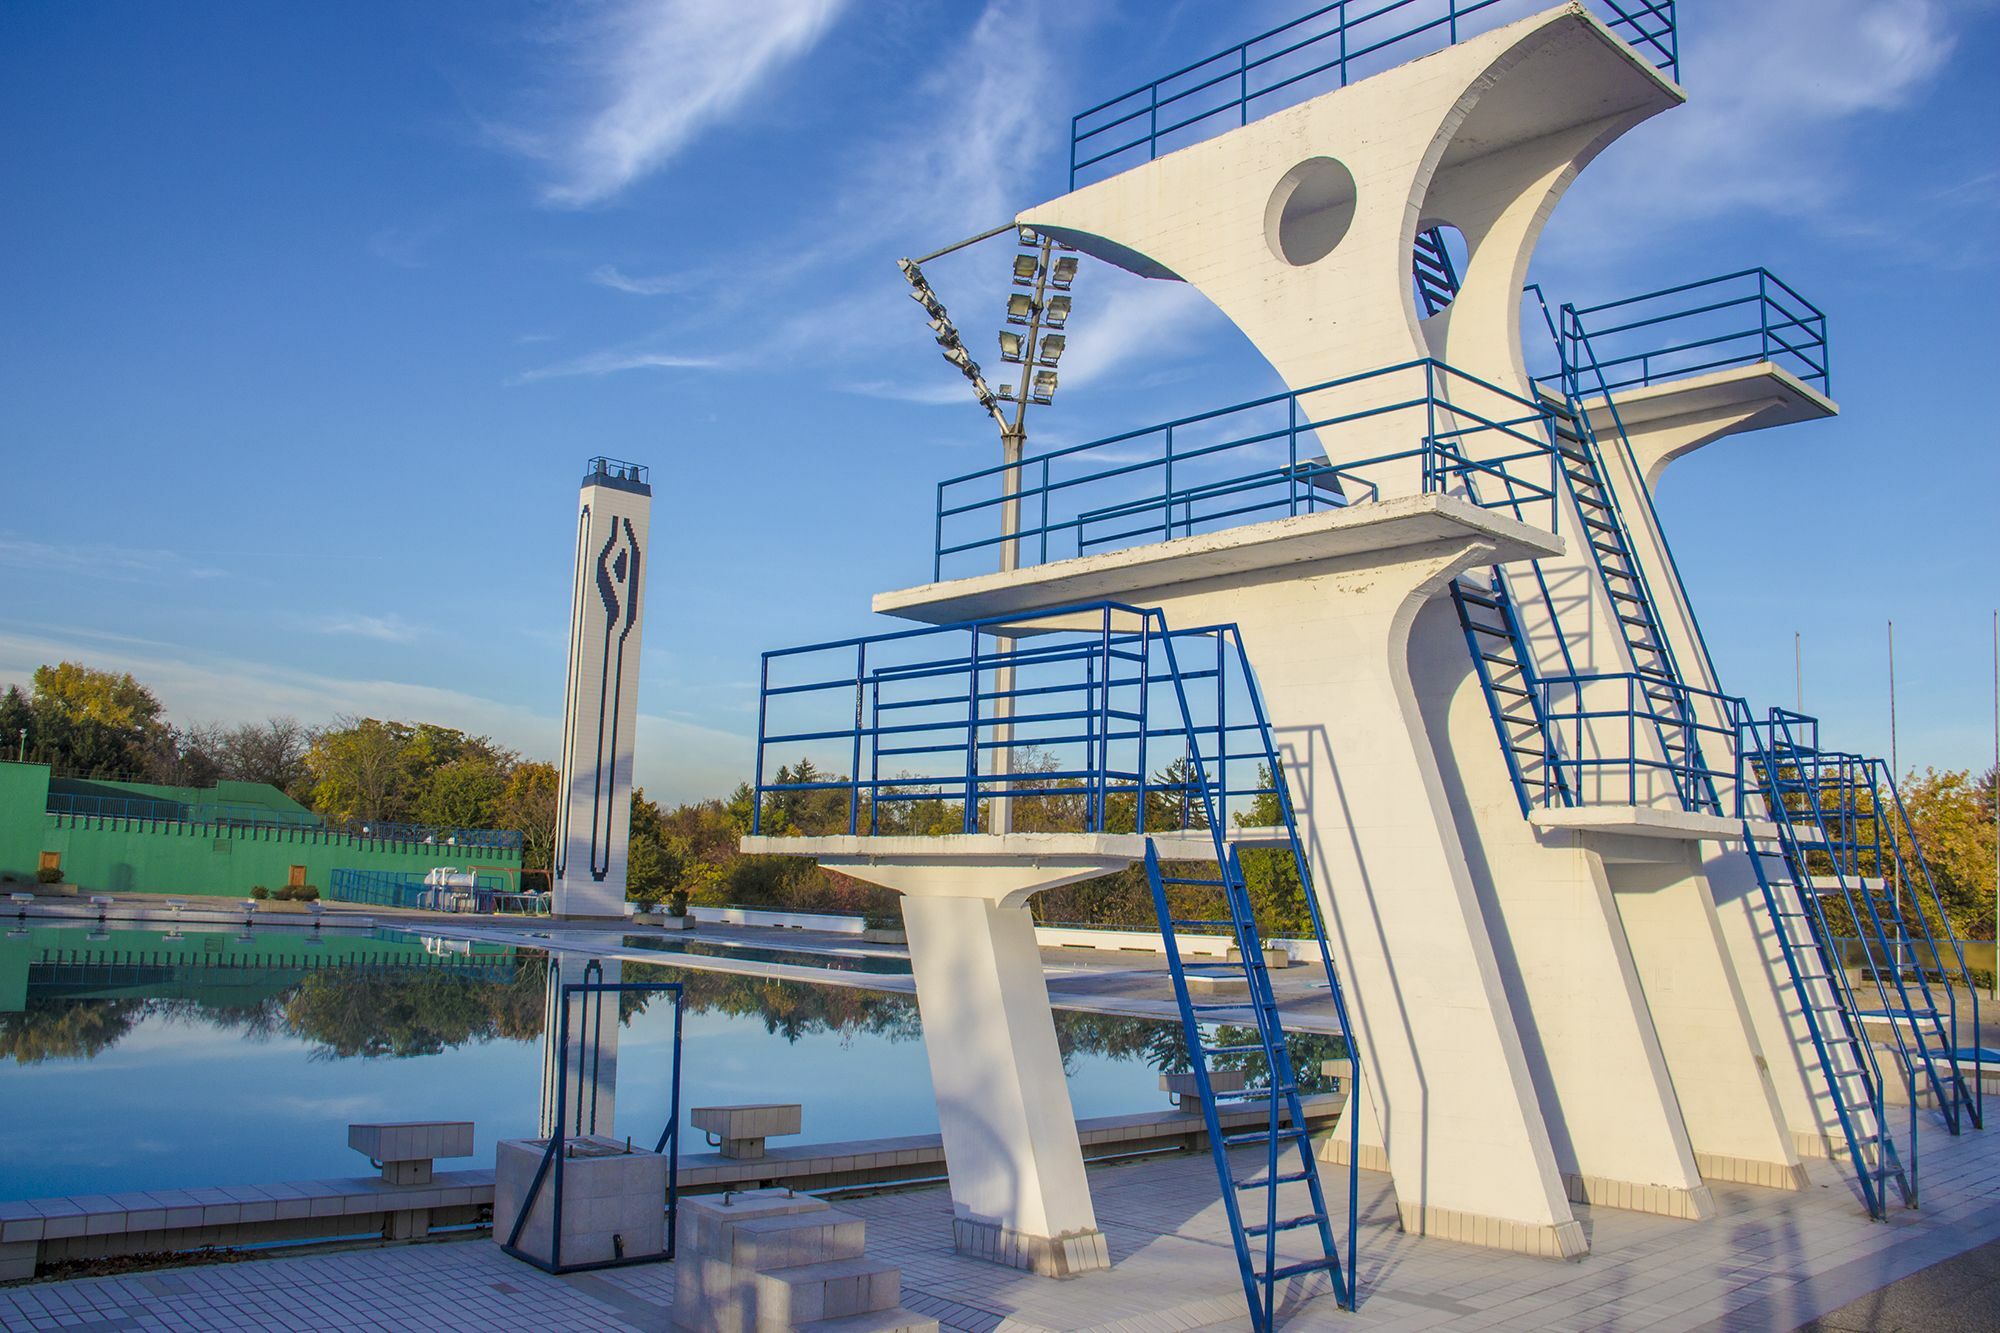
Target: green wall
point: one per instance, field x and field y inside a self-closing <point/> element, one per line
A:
<point x="113" y="855"/>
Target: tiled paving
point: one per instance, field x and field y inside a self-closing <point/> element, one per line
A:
<point x="1768" y="1260"/>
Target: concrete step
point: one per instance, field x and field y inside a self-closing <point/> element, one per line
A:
<point x="787" y="1297"/>
<point x="707" y="1220"/>
<point x="789" y="1241"/>
<point x="897" y="1320"/>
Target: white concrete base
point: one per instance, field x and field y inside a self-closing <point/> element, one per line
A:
<point x="1690" y="1205"/>
<point x="614" y="1202"/>
<point x="1045" y="1256"/>
<point x="1742" y="1171"/>
<point x="1561" y="1240"/>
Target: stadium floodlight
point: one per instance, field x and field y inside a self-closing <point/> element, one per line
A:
<point x="1012" y="347"/>
<point x="1063" y="274"/>
<point x="1027" y="265"/>
<point x="1052" y="349"/>
<point x="1020" y="306"/>
<point x="1045" y="385"/>
<point x="958" y="356"/>
<point x="1057" y="313"/>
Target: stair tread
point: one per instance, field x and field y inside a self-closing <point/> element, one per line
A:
<point x="825" y="1269"/>
<point x="898" y="1320"/>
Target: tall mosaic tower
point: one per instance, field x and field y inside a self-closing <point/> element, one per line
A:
<point x="601" y="712"/>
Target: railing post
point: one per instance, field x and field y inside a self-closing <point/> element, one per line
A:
<point x="1342" y="19"/>
<point x="937" y="537"/>
<point x="1763" y="315"/>
<point x="1144" y="713"/>
<point x="1292" y="463"/>
<point x="763" y="704"/>
<point x="875" y="762"/>
<point x="1045" y="513"/>
<point x="1167" y="496"/>
<point x="854" y="767"/>
<point x="972" y="739"/>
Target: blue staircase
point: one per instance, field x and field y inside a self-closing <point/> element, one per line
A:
<point x="1853" y="857"/>
<point x="1432" y="271"/>
<point x="1814" y="963"/>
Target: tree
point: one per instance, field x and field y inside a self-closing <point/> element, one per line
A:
<point x="1951" y="814"/>
<point x="93" y="723"/>
<point x="528" y="803"/>
<point x="356" y="771"/>
<point x="272" y="751"/>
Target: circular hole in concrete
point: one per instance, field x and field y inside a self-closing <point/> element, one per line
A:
<point x="1310" y="211"/>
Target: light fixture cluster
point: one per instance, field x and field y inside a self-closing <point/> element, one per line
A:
<point x="946" y="333"/>
<point x="1044" y="305"/>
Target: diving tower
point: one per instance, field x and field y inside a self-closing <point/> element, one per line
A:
<point x="1573" y="896"/>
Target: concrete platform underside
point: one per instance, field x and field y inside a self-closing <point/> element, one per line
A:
<point x="1768" y="1259"/>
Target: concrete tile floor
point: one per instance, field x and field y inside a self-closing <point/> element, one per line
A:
<point x="1768" y="1260"/>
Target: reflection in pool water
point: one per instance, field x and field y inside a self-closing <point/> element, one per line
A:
<point x="879" y="963"/>
<point x="141" y="1061"/>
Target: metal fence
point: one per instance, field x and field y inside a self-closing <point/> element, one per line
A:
<point x="1420" y="427"/>
<point x="1328" y="48"/>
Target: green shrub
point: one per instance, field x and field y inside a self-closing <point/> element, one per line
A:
<point x="48" y="875"/>
<point x="259" y="892"/>
<point x="677" y="902"/>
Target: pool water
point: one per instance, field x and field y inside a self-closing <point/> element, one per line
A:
<point x="837" y="961"/>
<point x="134" y="1060"/>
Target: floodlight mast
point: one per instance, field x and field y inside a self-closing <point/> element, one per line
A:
<point x="1037" y="269"/>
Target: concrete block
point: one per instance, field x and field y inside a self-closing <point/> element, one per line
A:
<point x="743" y="1129"/>
<point x="613" y="1200"/>
<point x="898" y="1320"/>
<point x="17" y="1260"/>
<point x="788" y="1297"/>
<point x="790" y="1240"/>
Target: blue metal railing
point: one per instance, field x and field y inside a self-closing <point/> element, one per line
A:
<point x="1328" y="48"/>
<point x="406" y="889"/>
<point x="434" y="836"/>
<point x="1737" y="319"/>
<point x="1418" y="427"/>
<point x="1620" y="738"/>
<point x="177" y="812"/>
<point x="1074" y="716"/>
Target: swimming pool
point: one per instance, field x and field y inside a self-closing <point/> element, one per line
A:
<point x="134" y="1060"/>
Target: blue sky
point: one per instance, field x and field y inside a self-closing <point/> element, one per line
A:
<point x="310" y="314"/>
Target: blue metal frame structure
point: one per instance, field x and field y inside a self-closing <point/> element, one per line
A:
<point x="225" y="814"/>
<point x="1328" y="48"/>
<point x="1259" y="460"/>
<point x="550" y="1172"/>
<point x="1736" y="319"/>
<point x="1116" y="723"/>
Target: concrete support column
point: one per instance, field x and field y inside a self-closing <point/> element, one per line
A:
<point x="1457" y="1117"/>
<point x="1727" y="1097"/>
<point x="1603" y="1083"/>
<point x="590" y="1088"/>
<point x="1018" y="1192"/>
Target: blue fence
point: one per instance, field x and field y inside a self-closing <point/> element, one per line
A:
<point x="1329" y="48"/>
<point x="406" y="889"/>
<point x="1738" y="319"/>
<point x="224" y="814"/>
<point x="1416" y="428"/>
<point x="176" y="812"/>
<point x="1079" y="718"/>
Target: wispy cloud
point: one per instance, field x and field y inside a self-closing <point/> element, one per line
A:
<point x="645" y="77"/>
<point x="1768" y="89"/>
<point x="91" y="559"/>
<point x="610" y="275"/>
<point x="612" y="361"/>
<point x="677" y="759"/>
<point x="382" y="629"/>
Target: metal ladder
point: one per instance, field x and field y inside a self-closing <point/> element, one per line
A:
<point x="1432" y="270"/>
<point x="1805" y="939"/>
<point x="1256" y="1213"/>
<point x="1624" y="581"/>
<point x="1288" y="1159"/>
<point x="1507" y="677"/>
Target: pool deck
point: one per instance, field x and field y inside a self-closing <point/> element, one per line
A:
<point x="1767" y="1260"/>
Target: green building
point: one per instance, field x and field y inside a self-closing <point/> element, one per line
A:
<point x="138" y="837"/>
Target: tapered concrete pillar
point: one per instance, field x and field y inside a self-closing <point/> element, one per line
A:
<point x="1325" y="604"/>
<point x="1660" y="424"/>
<point x="1018" y="1190"/>
<point x="601" y="712"/>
